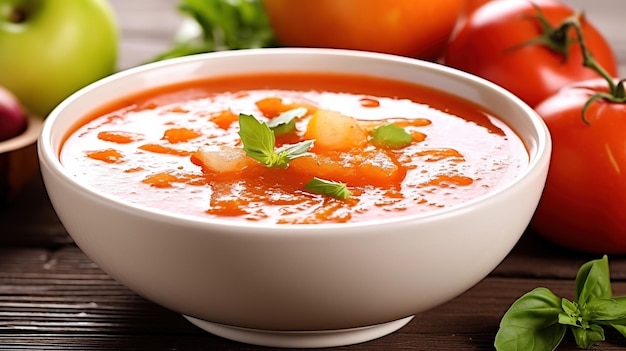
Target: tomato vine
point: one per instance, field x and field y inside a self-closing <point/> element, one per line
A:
<point x="616" y="93"/>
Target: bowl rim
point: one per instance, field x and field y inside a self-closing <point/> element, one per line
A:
<point x="50" y="158"/>
<point x="27" y="137"/>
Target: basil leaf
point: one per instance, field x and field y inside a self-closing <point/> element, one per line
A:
<point x="290" y="152"/>
<point x="586" y="337"/>
<point x="286" y="121"/>
<point x="327" y="187"/>
<point x="606" y="309"/>
<point x="258" y="140"/>
<point x="571" y="313"/>
<point x="391" y="135"/>
<point x="531" y="323"/>
<point x="539" y="319"/>
<point x="593" y="281"/>
<point x="569" y="307"/>
<point x="282" y="129"/>
<point x="568" y="319"/>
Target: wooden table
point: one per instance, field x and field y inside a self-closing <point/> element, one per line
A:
<point x="52" y="297"/>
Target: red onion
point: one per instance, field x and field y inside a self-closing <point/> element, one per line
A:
<point x="12" y="116"/>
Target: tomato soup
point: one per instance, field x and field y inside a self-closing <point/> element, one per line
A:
<point x="294" y="148"/>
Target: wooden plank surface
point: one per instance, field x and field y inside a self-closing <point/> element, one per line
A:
<point x="59" y="299"/>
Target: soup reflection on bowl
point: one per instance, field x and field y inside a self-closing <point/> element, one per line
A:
<point x="295" y="197"/>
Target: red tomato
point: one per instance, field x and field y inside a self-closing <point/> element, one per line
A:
<point x="584" y="203"/>
<point x="415" y="28"/>
<point x="472" y="5"/>
<point x="493" y="43"/>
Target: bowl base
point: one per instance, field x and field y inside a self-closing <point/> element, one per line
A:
<point x="301" y="339"/>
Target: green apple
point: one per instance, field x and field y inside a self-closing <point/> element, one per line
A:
<point x="51" y="48"/>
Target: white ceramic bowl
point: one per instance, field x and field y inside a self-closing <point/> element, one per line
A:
<point x="296" y="285"/>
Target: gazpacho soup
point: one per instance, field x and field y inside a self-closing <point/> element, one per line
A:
<point x="295" y="148"/>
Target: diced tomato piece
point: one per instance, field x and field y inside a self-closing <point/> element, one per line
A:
<point x="270" y="107"/>
<point x="160" y="149"/>
<point x="119" y="137"/>
<point x="224" y="119"/>
<point x="225" y="159"/>
<point x="161" y="180"/>
<point x="179" y="135"/>
<point x="357" y="168"/>
<point x="165" y="179"/>
<point x="418" y="136"/>
<point x="273" y="106"/>
<point x="107" y="155"/>
<point x="335" y="131"/>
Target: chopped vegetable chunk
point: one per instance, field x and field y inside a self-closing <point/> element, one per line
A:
<point x="332" y="130"/>
<point x="108" y="155"/>
<point x="160" y="149"/>
<point x="119" y="137"/>
<point x="224" y="119"/>
<point x="224" y="159"/>
<point x="179" y="135"/>
<point x="358" y="167"/>
<point x="272" y="107"/>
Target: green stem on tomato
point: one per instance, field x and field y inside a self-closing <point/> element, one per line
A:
<point x="616" y="93"/>
<point x="553" y="38"/>
<point x="588" y="59"/>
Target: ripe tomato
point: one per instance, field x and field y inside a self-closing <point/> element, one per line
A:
<point x="493" y="43"/>
<point x="415" y="28"/>
<point x="472" y="5"/>
<point x="584" y="202"/>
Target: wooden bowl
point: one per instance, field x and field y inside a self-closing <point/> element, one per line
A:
<point x="18" y="161"/>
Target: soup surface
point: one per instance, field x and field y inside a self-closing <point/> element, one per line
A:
<point x="359" y="148"/>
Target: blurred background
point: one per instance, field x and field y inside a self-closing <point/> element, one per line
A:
<point x="141" y="38"/>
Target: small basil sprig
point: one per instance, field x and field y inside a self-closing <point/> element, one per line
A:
<point x="259" y="142"/>
<point x="538" y="320"/>
<point x="391" y="135"/>
<point x="328" y="187"/>
<point x="286" y="121"/>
